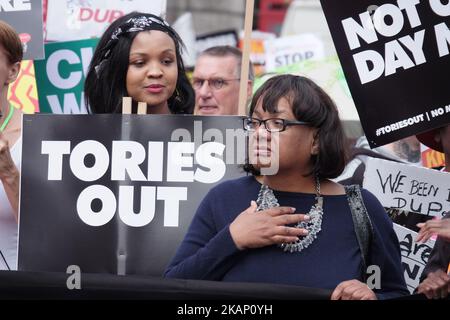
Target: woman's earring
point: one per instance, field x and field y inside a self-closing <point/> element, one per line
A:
<point x="178" y="96"/>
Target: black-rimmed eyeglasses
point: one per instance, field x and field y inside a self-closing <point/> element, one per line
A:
<point x="213" y="83"/>
<point x="271" y="125"/>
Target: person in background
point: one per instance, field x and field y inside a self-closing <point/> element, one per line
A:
<point x="405" y="151"/>
<point x="139" y="56"/>
<point x="11" y="54"/>
<point x="216" y="81"/>
<point x="439" y="140"/>
<point x="294" y="226"/>
<point x="435" y="278"/>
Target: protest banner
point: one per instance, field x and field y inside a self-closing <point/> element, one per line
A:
<point x="60" y="77"/>
<point x="414" y="255"/>
<point x="281" y="52"/>
<point x="406" y="187"/>
<point x="69" y="20"/>
<point x="116" y="193"/>
<point x="26" y="18"/>
<point x="431" y="158"/>
<point x="395" y="55"/>
<point x="22" y="93"/>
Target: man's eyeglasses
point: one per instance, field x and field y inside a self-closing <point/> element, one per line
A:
<point x="271" y="125"/>
<point x="214" y="83"/>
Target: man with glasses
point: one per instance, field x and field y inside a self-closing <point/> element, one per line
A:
<point x="216" y="80"/>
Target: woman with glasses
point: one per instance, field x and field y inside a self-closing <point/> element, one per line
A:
<point x="139" y="56"/>
<point x="291" y="224"/>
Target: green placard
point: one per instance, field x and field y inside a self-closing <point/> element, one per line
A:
<point x="60" y="77"/>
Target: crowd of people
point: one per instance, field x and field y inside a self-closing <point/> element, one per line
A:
<point x="297" y="226"/>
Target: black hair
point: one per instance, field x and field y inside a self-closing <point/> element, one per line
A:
<point x="311" y="104"/>
<point x="105" y="83"/>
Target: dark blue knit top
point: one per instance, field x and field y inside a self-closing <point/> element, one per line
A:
<point x="209" y="253"/>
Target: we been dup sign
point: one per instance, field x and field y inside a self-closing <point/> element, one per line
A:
<point x="116" y="194"/>
<point x="395" y="55"/>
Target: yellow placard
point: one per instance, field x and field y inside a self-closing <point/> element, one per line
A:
<point x="22" y="93"/>
<point x="432" y="158"/>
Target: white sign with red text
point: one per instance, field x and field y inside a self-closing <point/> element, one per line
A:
<point x="82" y="19"/>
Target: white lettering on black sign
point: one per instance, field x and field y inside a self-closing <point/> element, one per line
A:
<point x="387" y="21"/>
<point x="90" y="160"/>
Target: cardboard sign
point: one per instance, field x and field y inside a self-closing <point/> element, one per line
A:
<point x="406" y="187"/>
<point x="26" y="18"/>
<point x="396" y="58"/>
<point x="82" y="19"/>
<point x="290" y="50"/>
<point x="116" y="194"/>
<point x="60" y="77"/>
<point x="414" y="255"/>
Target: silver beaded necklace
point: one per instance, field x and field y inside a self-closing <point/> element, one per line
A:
<point x="266" y="200"/>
